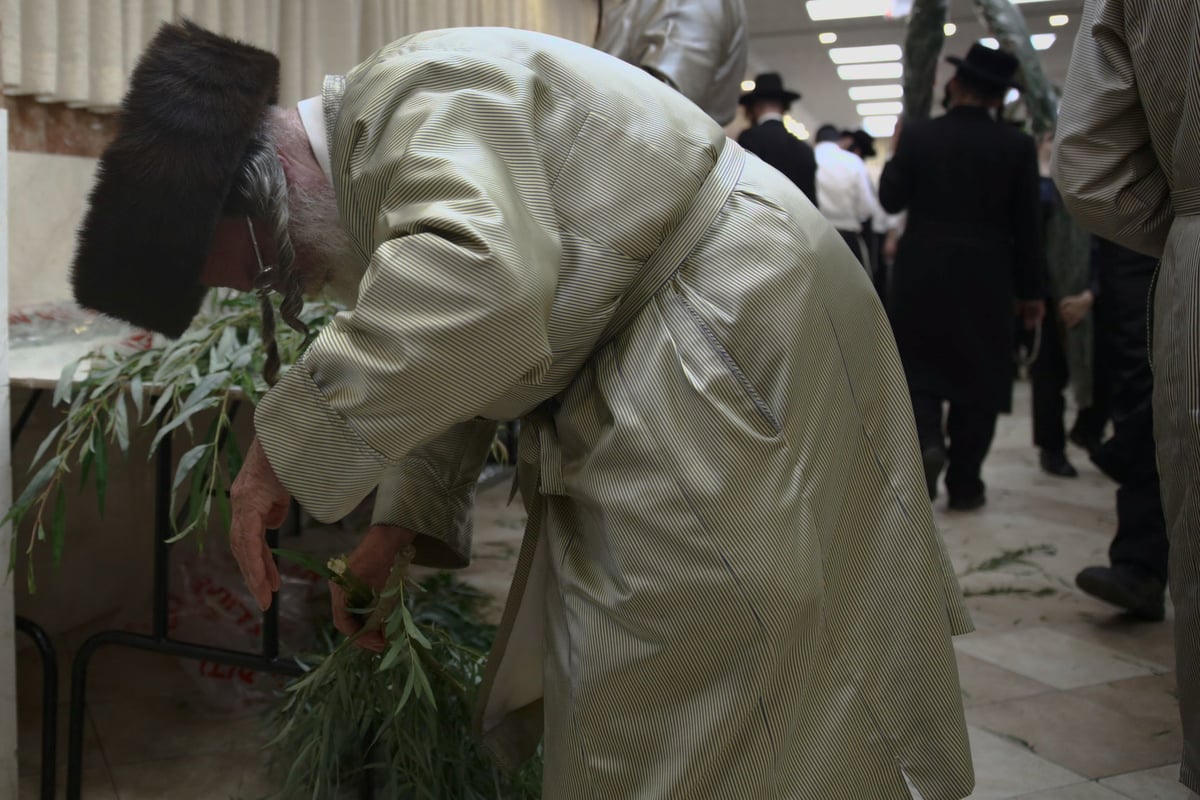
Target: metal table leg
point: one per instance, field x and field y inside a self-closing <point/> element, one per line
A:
<point x="49" y="702"/>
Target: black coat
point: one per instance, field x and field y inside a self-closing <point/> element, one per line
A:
<point x="971" y="247"/>
<point x="771" y="142"/>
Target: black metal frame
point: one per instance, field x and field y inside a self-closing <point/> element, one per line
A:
<point x="159" y="640"/>
<point x="49" y="702"/>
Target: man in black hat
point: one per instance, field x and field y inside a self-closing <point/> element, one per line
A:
<point x="970" y="249"/>
<point x="768" y="139"/>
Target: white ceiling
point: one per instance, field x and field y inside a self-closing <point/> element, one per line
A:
<point x="783" y="39"/>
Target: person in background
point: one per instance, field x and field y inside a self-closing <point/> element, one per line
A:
<point x="1128" y="165"/>
<point x="697" y="47"/>
<point x="768" y="139"/>
<point x="877" y="228"/>
<point x="1137" y="576"/>
<point x="970" y="249"/>
<point x="844" y="193"/>
<point x="1049" y="374"/>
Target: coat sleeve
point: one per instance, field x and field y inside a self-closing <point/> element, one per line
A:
<point x="1104" y="163"/>
<point x="1029" y="266"/>
<point x="441" y="171"/>
<point x="432" y="492"/>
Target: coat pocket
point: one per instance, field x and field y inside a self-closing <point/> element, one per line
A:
<point x="716" y="370"/>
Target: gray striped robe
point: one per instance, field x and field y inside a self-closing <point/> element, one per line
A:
<point x="731" y="586"/>
<point x="1128" y="166"/>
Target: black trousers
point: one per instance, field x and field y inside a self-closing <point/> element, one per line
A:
<point x="854" y="241"/>
<point x="1128" y="456"/>
<point x="1049" y="377"/>
<point x="969" y="429"/>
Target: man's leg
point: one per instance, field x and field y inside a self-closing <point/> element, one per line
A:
<point x="971" y="429"/>
<point x="927" y="411"/>
<point x="1048" y="377"/>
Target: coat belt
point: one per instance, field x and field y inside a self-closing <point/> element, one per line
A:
<point x="508" y="718"/>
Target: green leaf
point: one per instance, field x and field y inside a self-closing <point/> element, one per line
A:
<point x="223" y="509"/>
<point x="414" y="631"/>
<point x="100" y="449"/>
<point x="308" y="562"/>
<point x="121" y="423"/>
<point x="163" y="401"/>
<point x="205" y="388"/>
<point x="189" y="460"/>
<point x="50" y="438"/>
<point x="66" y="380"/>
<point x="181" y="418"/>
<point x="233" y="453"/>
<point x="138" y="392"/>
<point x="86" y="465"/>
<point x="30" y="583"/>
<point x="423" y="688"/>
<point x="36" y="484"/>
<point x="58" y="526"/>
<point x="389" y="658"/>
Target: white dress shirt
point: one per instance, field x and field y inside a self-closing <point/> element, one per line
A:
<point x="312" y="117"/>
<point x="844" y="192"/>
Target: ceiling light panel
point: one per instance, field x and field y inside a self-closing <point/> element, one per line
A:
<point x="827" y="38"/>
<point x="880" y="127"/>
<point x="880" y="109"/>
<point x="891" y="70"/>
<point x="885" y="91"/>
<point x="949" y="29"/>
<point x="1058" y="20"/>
<point x="1043" y="41"/>
<point x="819" y="10"/>
<point x="866" y="55"/>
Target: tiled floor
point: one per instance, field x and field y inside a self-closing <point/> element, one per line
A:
<point x="1066" y="700"/>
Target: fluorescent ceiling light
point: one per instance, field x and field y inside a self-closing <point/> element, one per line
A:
<point x="949" y="29"/>
<point x="1058" y="20"/>
<point x="747" y="86"/>
<point x="880" y="127"/>
<point x="865" y="55"/>
<point x="827" y="38"/>
<point x="1043" y="41"/>
<point x="1013" y="96"/>
<point x="988" y="41"/>
<point x="871" y="72"/>
<point x="880" y="109"/>
<point x="885" y="91"/>
<point x="846" y="9"/>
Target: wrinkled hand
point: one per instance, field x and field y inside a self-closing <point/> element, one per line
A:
<point x="1073" y="309"/>
<point x="259" y="503"/>
<point x="1031" y="312"/>
<point x="371" y="561"/>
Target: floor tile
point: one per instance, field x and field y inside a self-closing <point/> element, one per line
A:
<point x="1054" y="658"/>
<point x="1091" y="739"/>
<point x="1160" y="783"/>
<point x="157" y="728"/>
<point x="1078" y="791"/>
<point x="97" y="784"/>
<point x="201" y="777"/>
<point x="984" y="683"/>
<point x="1005" y="768"/>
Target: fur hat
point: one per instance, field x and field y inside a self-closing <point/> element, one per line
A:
<point x="194" y="103"/>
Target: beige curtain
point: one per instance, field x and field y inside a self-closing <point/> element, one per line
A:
<point x="81" y="51"/>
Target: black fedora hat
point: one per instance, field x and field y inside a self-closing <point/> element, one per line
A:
<point x="995" y="67"/>
<point x="195" y="100"/>
<point x="769" y="86"/>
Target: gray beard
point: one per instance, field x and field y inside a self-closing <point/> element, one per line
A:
<point x="325" y="258"/>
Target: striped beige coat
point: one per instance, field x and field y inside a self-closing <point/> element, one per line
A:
<point x="731" y="586"/>
<point x="1128" y="165"/>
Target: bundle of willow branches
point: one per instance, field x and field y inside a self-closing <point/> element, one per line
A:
<point x="399" y="719"/>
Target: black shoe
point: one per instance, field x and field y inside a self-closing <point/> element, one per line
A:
<point x="1088" y="441"/>
<point x="968" y="503"/>
<point x="1055" y="463"/>
<point x="1143" y="597"/>
<point x="934" y="459"/>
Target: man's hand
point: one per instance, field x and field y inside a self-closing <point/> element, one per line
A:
<point x="1031" y="312"/>
<point x="259" y="502"/>
<point x="371" y="561"/>
<point x="1074" y="308"/>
